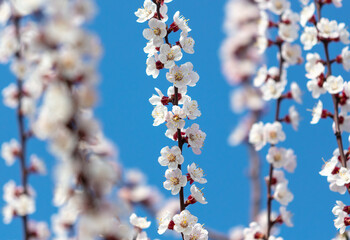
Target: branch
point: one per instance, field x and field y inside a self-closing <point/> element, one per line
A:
<point x="334" y="97"/>
<point x="21" y="129"/>
<point x="269" y="196"/>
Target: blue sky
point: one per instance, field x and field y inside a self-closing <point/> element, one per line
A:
<point x="125" y="113"/>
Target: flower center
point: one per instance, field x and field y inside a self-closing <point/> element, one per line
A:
<point x="290" y="54"/>
<point x="194" y="237"/>
<point x="175" y="180"/>
<point x="171" y="56"/>
<point x="281" y="195"/>
<point x="157" y="31"/>
<point x="334" y="85"/>
<point x="279" y="5"/>
<point x="198" y="173"/>
<point x="273" y="89"/>
<point x="192" y="137"/>
<point x="171" y="157"/>
<point x="327" y="29"/>
<point x="273" y="134"/>
<point x="176" y="118"/>
<point x="179" y="76"/>
<point x="277" y="157"/>
<point x="184" y="224"/>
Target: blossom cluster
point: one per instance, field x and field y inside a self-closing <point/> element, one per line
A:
<point x="87" y="172"/>
<point x="55" y="60"/>
<point x="164" y="55"/>
<point x="240" y="58"/>
<point x="137" y="192"/>
<point x="322" y="81"/>
<point x="16" y="35"/>
<point x="272" y="83"/>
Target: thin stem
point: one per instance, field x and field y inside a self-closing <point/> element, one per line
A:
<point x="21" y="130"/>
<point x="269" y="202"/>
<point x="180" y="144"/>
<point x="269" y="187"/>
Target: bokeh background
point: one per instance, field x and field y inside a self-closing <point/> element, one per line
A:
<point x="125" y="113"/>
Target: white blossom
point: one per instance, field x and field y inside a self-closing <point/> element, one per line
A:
<point x="37" y="165"/>
<point x="274" y="133"/>
<point x="261" y="76"/>
<point x="253" y="232"/>
<point x="329" y="166"/>
<point x="191" y="110"/>
<point x="10" y="95"/>
<point x="164" y="221"/>
<point x="343" y="34"/>
<point x="152" y="67"/>
<point x="147" y="12"/>
<point x="296" y="92"/>
<point x="156" y="32"/>
<point x="39" y="230"/>
<point x="338" y="208"/>
<point x="306" y="14"/>
<point x="288" y="32"/>
<point x="257" y="136"/>
<point x="184" y="222"/>
<point x="181" y="22"/>
<point x="278" y="6"/>
<point x="175" y="181"/>
<point x="276" y="156"/>
<point x="175" y="118"/>
<point x="309" y="37"/>
<point x="328" y="29"/>
<point x="343" y="176"/>
<point x="168" y="55"/>
<point x="139" y="222"/>
<point x="291" y="53"/>
<point x="197" y="194"/>
<point x="196" y="173"/>
<point x="334" y="84"/>
<point x="345" y="58"/>
<point x="171" y="157"/>
<point x="195" y="138"/>
<point x="294" y="117"/>
<point x="339" y="222"/>
<point x="282" y="194"/>
<point x="286" y="216"/>
<point x="197" y="233"/>
<point x="10" y="151"/>
<point x="183" y="75"/>
<point x="187" y="43"/>
<point x="159" y="114"/>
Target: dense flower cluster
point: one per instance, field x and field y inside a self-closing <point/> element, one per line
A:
<point x="87" y="172"/>
<point x="16" y="37"/>
<point x="164" y="55"/>
<point x="55" y="60"/>
<point x="272" y="83"/>
<point x="240" y="58"/>
<point x="322" y="80"/>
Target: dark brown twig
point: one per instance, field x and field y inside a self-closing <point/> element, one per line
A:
<point x="269" y="187"/>
<point x="21" y="129"/>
